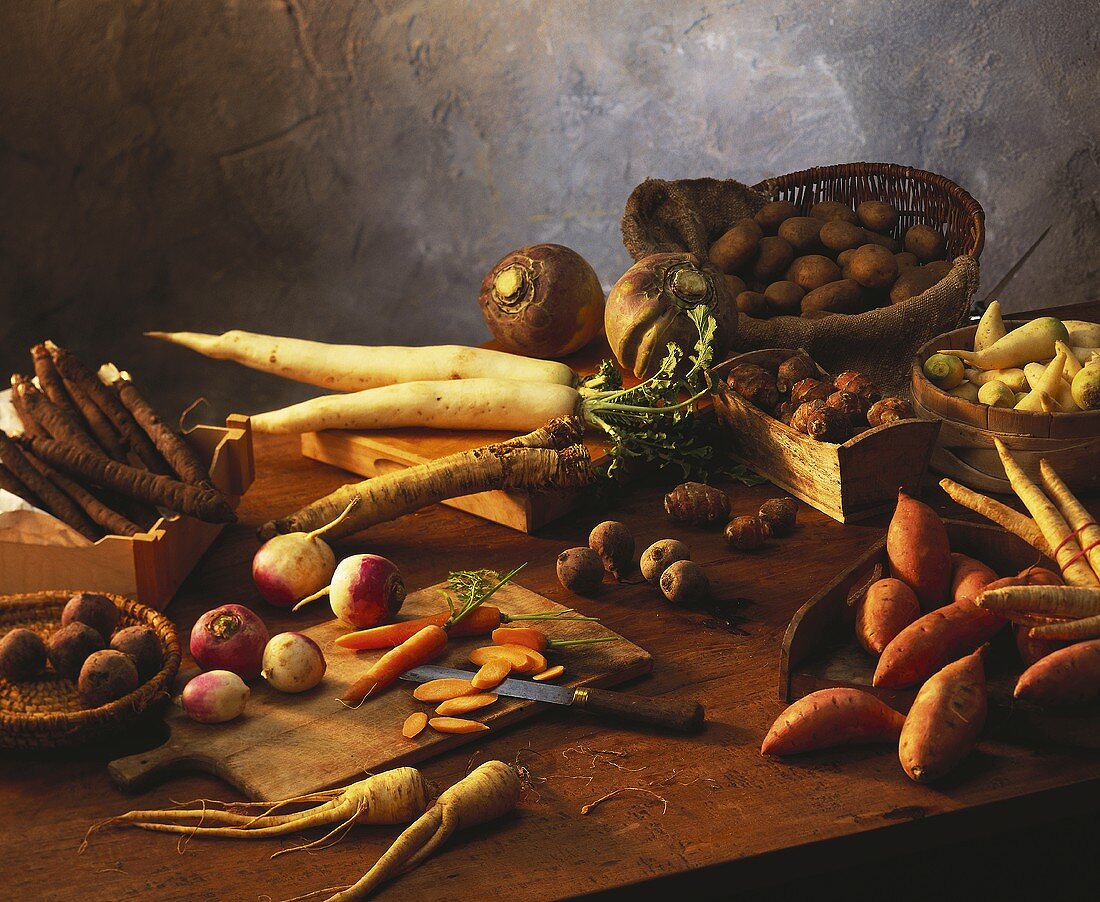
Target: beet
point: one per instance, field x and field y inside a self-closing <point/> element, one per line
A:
<point x="70" y="647"/>
<point x="143" y="646"/>
<point x="22" y="655"/>
<point x="107" y="675"/>
<point x="97" y="611"/>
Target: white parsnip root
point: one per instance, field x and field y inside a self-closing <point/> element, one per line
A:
<point x="489" y="792"/>
<point x="356" y="367"/>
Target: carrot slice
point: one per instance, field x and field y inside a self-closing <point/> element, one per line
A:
<point x="551" y="673"/>
<point x="465" y="704"/>
<point x="527" y="636"/>
<point x="414" y="723"/>
<point x="456" y="725"/>
<point x="515" y="655"/>
<point x="492" y="673"/>
<point x="442" y="690"/>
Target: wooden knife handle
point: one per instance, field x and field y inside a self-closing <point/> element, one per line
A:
<point x="672" y="714"/>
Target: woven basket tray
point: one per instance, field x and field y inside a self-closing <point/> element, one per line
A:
<point x="46" y="713"/>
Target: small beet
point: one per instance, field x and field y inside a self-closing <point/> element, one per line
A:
<point x="143" y="646"/>
<point x="745" y="533"/>
<point x="97" y="611"/>
<point x="22" y="655"/>
<point x="778" y="516"/>
<point x="660" y="555"/>
<point x="107" y="675"/>
<point x="613" y="542"/>
<point x="685" y="582"/>
<point x="70" y="647"/>
<point x="580" y="570"/>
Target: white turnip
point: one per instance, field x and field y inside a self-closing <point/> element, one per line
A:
<point x="216" y="696"/>
<point x="293" y="662"/>
<point x="366" y="590"/>
<point x="231" y="638"/>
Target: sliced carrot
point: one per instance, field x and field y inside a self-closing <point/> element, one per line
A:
<point x="480" y="621"/>
<point x="551" y="673"/>
<point x="515" y="655"/>
<point x="456" y="725"/>
<point x="536" y="662"/>
<point x="527" y="636"/>
<point x="414" y="723"/>
<point x="465" y="704"/>
<point x="492" y="673"/>
<point x="442" y="690"/>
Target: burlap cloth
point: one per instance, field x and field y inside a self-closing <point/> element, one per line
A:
<point x="689" y="214"/>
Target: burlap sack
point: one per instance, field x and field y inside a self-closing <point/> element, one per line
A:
<point x="689" y="214"/>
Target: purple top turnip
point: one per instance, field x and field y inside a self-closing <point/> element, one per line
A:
<point x="366" y="591"/>
<point x="214" y="697"/>
<point x="230" y="638"/>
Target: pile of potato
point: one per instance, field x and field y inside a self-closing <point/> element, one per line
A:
<point x="831" y="260"/>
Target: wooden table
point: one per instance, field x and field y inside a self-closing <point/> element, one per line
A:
<point x="734" y="820"/>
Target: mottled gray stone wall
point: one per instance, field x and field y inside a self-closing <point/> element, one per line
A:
<point x="349" y="170"/>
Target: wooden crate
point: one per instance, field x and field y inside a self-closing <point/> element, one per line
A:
<point x="150" y="566"/>
<point x="820" y="650"/>
<point x="1070" y="442"/>
<point x="851" y="481"/>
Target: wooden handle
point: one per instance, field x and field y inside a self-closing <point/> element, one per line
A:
<point x="137" y="772"/>
<point x="683" y="716"/>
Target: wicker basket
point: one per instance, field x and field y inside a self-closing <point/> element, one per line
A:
<point x="46" y="713"/>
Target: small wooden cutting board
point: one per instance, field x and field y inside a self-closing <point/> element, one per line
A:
<point x="289" y="745"/>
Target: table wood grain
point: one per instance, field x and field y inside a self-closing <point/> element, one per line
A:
<point x="725" y="816"/>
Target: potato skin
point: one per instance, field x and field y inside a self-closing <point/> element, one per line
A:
<point x="752" y="303"/>
<point x="803" y="233"/>
<point x="813" y="271"/>
<point x="877" y="215"/>
<point x="784" y="298"/>
<point x="844" y="256"/>
<point x="736" y="248"/>
<point x="841" y="235"/>
<point x="913" y="281"/>
<point x="906" y="260"/>
<point x="888" y="607"/>
<point x="925" y="242"/>
<point x="769" y="216"/>
<point x="938" y="268"/>
<point x="872" y="266"/>
<point x="883" y="241"/>
<point x="775" y="256"/>
<point x="747" y="222"/>
<point x="735" y="284"/>
<point x="829" y="210"/>
<point x="844" y="296"/>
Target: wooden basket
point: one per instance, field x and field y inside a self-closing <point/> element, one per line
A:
<point x="849" y="481"/>
<point x="919" y="196"/>
<point x="149" y="566"/>
<point x="820" y="650"/>
<point x="1070" y="442"/>
<point x="46" y="713"/>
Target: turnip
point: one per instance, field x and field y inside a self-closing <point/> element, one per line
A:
<point x="293" y="662"/>
<point x="230" y="638"/>
<point x="366" y="590"/>
<point x="289" y="567"/>
<point x="216" y="696"/>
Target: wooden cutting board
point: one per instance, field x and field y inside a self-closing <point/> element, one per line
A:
<point x="289" y="745"/>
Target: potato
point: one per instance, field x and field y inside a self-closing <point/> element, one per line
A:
<point x="877" y="215"/>
<point x="818" y="314"/>
<point x="752" y="303"/>
<point x="772" y="261"/>
<point x="841" y="235"/>
<point x="747" y="222"/>
<point x="845" y="296"/>
<point x="831" y="209"/>
<point x="912" y="282"/>
<point x="925" y="242"/>
<point x="813" y="271"/>
<point x="735" y="284"/>
<point x="844" y="256"/>
<point x="882" y="240"/>
<point x="769" y="216"/>
<point x="802" y="233"/>
<point x="784" y="298"/>
<point x="939" y="268"/>
<point x="736" y="248"/>
<point x="906" y="260"/>
<point x="872" y="266"/>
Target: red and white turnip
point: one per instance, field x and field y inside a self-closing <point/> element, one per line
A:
<point x="232" y="638"/>
<point x="216" y="696"/>
<point x="293" y="662"/>
<point x="366" y="590"/>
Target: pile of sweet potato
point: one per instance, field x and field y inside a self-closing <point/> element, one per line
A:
<point x="923" y="625"/>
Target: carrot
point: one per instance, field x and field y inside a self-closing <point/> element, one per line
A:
<point x="1083" y="523"/>
<point x="1074" y="630"/>
<point x="944" y="722"/>
<point x="1068" y="676"/>
<point x="520" y="658"/>
<point x="969" y="577"/>
<point x="1056" y="531"/>
<point x="1032" y="649"/>
<point x="394" y="797"/>
<point x="442" y="690"/>
<point x="1066" y="602"/>
<point x="465" y="704"/>
<point x="829" y="718"/>
<point x="918" y="551"/>
<point x="354" y="368"/>
<point x="490" y="791"/>
<point x="456" y="725"/>
<point x="414" y="724"/>
<point x="551" y="673"/>
<point x="413" y="652"/>
<point x="888" y="607"/>
<point x="492" y="673"/>
<point x="1004" y="516"/>
<point x="537" y="640"/>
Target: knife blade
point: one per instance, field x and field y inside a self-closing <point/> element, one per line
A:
<point x="684" y="716"/>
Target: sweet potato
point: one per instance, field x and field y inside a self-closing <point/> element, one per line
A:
<point x="918" y="550"/>
<point x="888" y="607"/>
<point x="943" y="725"/>
<point x="968" y="577"/>
<point x="832" y="717"/>
<point x="1032" y="650"/>
<point x="1069" y="676"/>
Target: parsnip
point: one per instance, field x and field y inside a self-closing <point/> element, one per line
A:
<point x="990" y="327"/>
<point x="455" y="404"/>
<point x="1031" y="341"/>
<point x="356" y="367"/>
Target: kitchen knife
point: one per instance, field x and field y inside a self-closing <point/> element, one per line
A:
<point x="685" y="717"/>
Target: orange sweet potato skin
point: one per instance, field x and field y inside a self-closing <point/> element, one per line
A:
<point x="1069" y="676"/>
<point x="946" y="718"/>
<point x="888" y="607"/>
<point x="1040" y="576"/>
<point x="829" y="718"/>
<point x="1032" y="650"/>
<point x="919" y="552"/>
<point x="968" y="577"/>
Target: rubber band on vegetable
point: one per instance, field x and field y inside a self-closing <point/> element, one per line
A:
<point x="1080" y="554"/>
